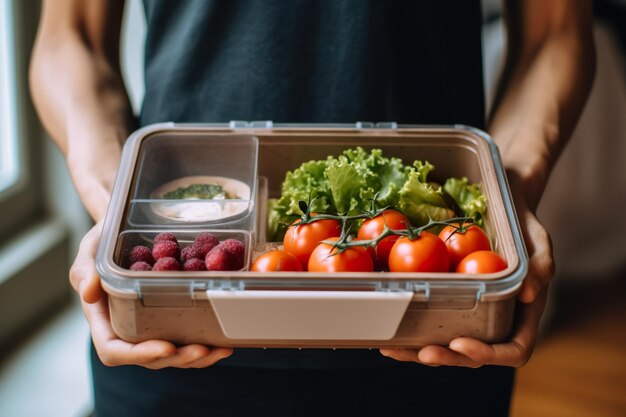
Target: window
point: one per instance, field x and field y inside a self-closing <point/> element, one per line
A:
<point x="9" y="154"/>
<point x="21" y="190"/>
<point x="34" y="249"/>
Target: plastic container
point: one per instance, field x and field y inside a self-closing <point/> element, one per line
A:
<point x="171" y="163"/>
<point x="246" y="309"/>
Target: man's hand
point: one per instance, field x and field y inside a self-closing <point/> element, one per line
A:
<point x="113" y="351"/>
<point x="466" y="351"/>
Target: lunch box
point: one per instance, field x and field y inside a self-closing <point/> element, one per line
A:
<point x="294" y="309"/>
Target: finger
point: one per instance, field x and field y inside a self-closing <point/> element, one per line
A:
<point x="184" y="355"/>
<point x="402" y="355"/>
<point x="439" y="355"/>
<point x="114" y="351"/>
<point x="430" y="355"/>
<point x="191" y="356"/>
<point x="540" y="258"/>
<point x="216" y="355"/>
<point x="505" y="354"/>
<point x="514" y="353"/>
<point x="83" y="274"/>
<point x="77" y="269"/>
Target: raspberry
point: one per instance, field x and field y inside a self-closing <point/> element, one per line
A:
<point x="166" y="264"/>
<point x="164" y="249"/>
<point x="162" y="237"/>
<point x="141" y="254"/>
<point x="234" y="246"/>
<point x="141" y="266"/>
<point x="194" y="264"/>
<point x="188" y="253"/>
<point x="227" y="256"/>
<point x="236" y="249"/>
<point x="218" y="259"/>
<point x="204" y="243"/>
<point x="205" y="237"/>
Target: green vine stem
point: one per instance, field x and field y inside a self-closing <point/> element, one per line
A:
<point x="410" y="232"/>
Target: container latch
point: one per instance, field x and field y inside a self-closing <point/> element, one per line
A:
<point x="449" y="298"/>
<point x="378" y="125"/>
<point x="166" y="295"/>
<point x="256" y="124"/>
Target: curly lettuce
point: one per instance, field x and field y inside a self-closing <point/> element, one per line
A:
<point x="350" y="182"/>
<point x="469" y="198"/>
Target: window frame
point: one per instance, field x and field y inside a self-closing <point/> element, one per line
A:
<point x="23" y="200"/>
<point x="10" y="152"/>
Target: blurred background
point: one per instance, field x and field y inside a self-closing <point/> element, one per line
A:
<point x="579" y="365"/>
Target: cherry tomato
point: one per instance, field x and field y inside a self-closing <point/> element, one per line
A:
<point x="326" y="258"/>
<point x="481" y="262"/>
<point x="462" y="243"/>
<point x="301" y="239"/>
<point x="276" y="261"/>
<point x="372" y="228"/>
<point x="426" y="253"/>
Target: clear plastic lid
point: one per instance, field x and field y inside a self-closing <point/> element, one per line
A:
<point x="183" y="180"/>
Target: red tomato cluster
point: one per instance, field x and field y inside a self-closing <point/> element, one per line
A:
<point x="374" y="227"/>
<point x="460" y="248"/>
<point x="302" y="239"/>
<point x="470" y="250"/>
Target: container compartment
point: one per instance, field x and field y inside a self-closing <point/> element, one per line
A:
<point x="129" y="239"/>
<point x="182" y="179"/>
<point x="452" y="154"/>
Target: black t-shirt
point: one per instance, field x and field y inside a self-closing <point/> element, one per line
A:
<point x="315" y="61"/>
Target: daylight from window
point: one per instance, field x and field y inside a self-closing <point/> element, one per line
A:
<point x="9" y="160"/>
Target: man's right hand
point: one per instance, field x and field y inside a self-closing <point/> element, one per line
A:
<point x="113" y="351"/>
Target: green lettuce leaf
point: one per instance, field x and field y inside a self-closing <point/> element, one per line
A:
<point x="469" y="198"/>
<point x="346" y="181"/>
<point x="420" y="201"/>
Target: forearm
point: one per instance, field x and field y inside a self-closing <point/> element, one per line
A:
<point x="79" y="94"/>
<point x="541" y="96"/>
<point x="73" y="85"/>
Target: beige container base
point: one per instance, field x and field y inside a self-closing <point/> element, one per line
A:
<point x="488" y="321"/>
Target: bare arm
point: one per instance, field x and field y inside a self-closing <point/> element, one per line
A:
<point x="548" y="74"/>
<point x="79" y="94"/>
<point x="78" y="91"/>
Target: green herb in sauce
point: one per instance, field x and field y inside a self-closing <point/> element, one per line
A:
<point x="199" y="192"/>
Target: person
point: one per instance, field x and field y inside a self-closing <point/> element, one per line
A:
<point x="311" y="61"/>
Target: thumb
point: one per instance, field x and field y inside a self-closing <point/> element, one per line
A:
<point x="83" y="274"/>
